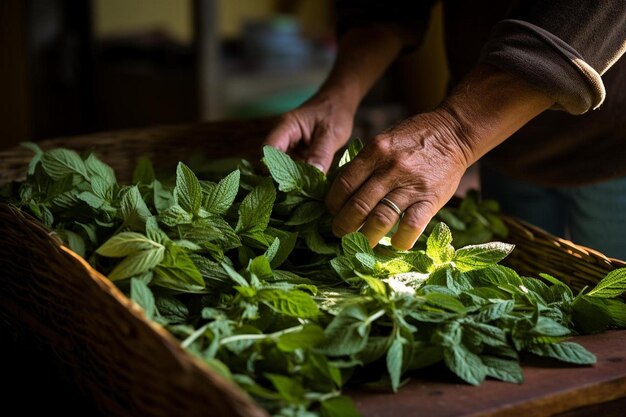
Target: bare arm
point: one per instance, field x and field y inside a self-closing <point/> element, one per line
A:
<point x="418" y="163"/>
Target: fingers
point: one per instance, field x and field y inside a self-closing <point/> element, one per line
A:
<point x="383" y="217"/>
<point x="413" y="223"/>
<point x="349" y="180"/>
<point x="356" y="211"/>
<point x="284" y="134"/>
<point x="323" y="146"/>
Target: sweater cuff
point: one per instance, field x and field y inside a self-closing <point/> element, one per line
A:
<point x="547" y="63"/>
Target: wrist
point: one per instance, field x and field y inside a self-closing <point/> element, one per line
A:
<point x="487" y="107"/>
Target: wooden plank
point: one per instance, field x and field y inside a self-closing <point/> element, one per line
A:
<point x="550" y="388"/>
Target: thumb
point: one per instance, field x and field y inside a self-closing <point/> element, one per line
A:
<point x="322" y="150"/>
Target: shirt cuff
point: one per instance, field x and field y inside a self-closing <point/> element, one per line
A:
<point x="547" y="63"/>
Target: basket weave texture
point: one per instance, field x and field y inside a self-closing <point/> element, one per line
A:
<point x="130" y="366"/>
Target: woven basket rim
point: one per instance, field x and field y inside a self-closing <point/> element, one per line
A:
<point x="181" y="356"/>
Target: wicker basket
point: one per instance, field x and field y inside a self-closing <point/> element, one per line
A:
<point x="128" y="365"/>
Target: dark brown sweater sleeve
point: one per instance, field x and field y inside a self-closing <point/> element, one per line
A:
<point x="409" y="18"/>
<point x="562" y="47"/>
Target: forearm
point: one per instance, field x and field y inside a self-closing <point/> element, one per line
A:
<point x="364" y="54"/>
<point x="487" y="107"/>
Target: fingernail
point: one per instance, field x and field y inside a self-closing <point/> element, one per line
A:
<point x="316" y="165"/>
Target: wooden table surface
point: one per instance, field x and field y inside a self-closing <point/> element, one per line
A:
<point x="550" y="388"/>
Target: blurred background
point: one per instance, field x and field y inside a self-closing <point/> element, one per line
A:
<point x="78" y="66"/>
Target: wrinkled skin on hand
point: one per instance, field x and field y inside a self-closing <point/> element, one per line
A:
<point x="417" y="164"/>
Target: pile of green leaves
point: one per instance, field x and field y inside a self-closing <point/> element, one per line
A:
<point x="245" y="272"/>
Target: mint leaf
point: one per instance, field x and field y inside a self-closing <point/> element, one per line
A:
<point x="188" y="192"/>
<point x="351" y="152"/>
<point x="569" y="352"/>
<point x="137" y="263"/>
<point x="438" y="245"/>
<point x="355" y="242"/>
<point x="283" y="169"/>
<point x="60" y="162"/>
<point x="220" y="197"/>
<point x="134" y="210"/>
<point x="127" y="243"/>
<point x="144" y="172"/>
<point x="97" y="168"/>
<point x="141" y="294"/>
<point x="256" y="208"/>
<point x="341" y="406"/>
<point x="292" y="303"/>
<point x="481" y="256"/>
<point x="465" y="364"/>
<point x="310" y="336"/>
<point x="613" y="285"/>
<point x="178" y="272"/>
<point x="394" y="363"/>
<point x="306" y="213"/>
<point x="503" y="369"/>
<point x="347" y="333"/>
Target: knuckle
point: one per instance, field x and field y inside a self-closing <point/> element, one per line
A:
<point x="382" y="219"/>
<point x="380" y="144"/>
<point x="339" y="230"/>
<point x="360" y="207"/>
<point x="344" y="184"/>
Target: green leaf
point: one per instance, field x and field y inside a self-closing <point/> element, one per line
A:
<point x="178" y="272"/>
<point x="175" y="215"/>
<point x="260" y="266"/>
<point x="284" y="246"/>
<point x="351" y="152"/>
<point x="548" y="327"/>
<point x="465" y="364"/>
<point x="309" y="337"/>
<point x="376" y="285"/>
<point x="220" y="197"/>
<point x="445" y="302"/>
<point x="134" y="210"/>
<point x="341" y="406"/>
<point x="394" y="363"/>
<point x="97" y="168"/>
<point x="172" y="310"/>
<point x="355" y="242"/>
<point x="480" y="256"/>
<point x="347" y="333"/>
<point x="141" y="294"/>
<point x="283" y="169"/>
<point x="256" y="208"/>
<point x="316" y="243"/>
<point x="36" y="158"/>
<point x="306" y="213"/>
<point x="188" y="192"/>
<point x="569" y="352"/>
<point x="438" y="245"/>
<point x="144" y="172"/>
<point x="127" y="243"/>
<point x="589" y="315"/>
<point x="137" y="263"/>
<point x="74" y="241"/>
<point x="289" y="388"/>
<point x="611" y="286"/>
<point x="60" y="162"/>
<point x="294" y="303"/>
<point x="503" y="369"/>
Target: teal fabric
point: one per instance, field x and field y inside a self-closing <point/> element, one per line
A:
<point x="591" y="215"/>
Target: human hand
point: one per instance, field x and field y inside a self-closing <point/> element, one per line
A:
<point x="315" y="130"/>
<point x="417" y="165"/>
